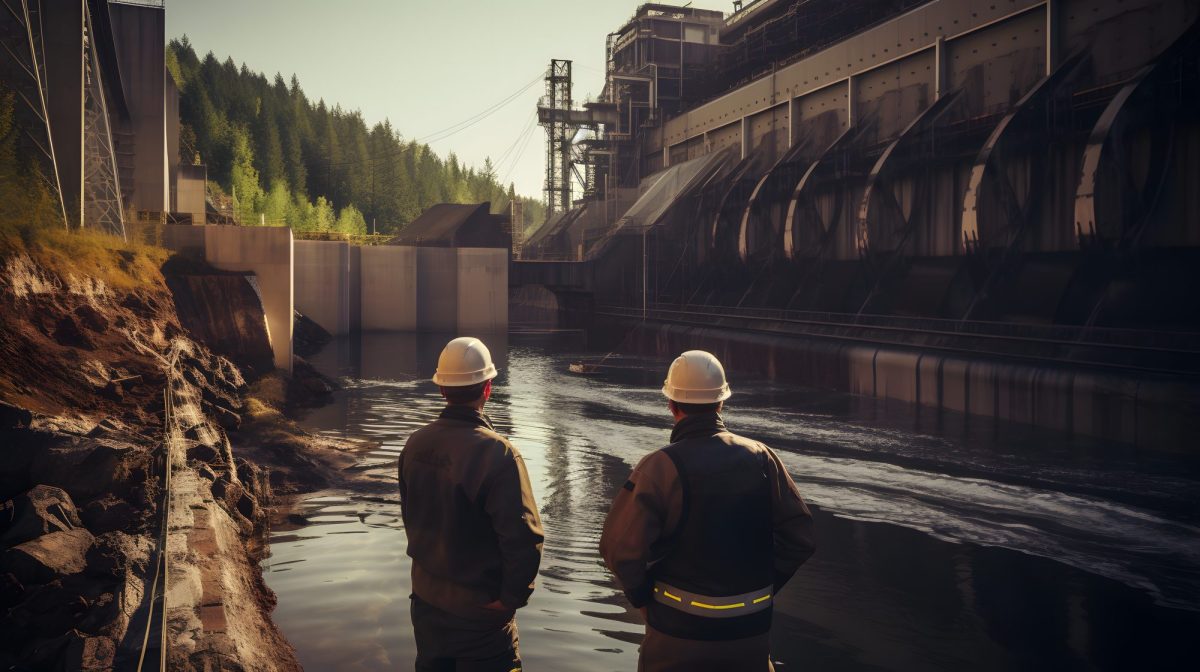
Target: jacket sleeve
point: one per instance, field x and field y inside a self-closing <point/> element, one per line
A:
<point x="646" y="509"/>
<point x="791" y="520"/>
<point x="514" y="515"/>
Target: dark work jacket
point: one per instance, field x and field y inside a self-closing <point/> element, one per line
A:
<point x="712" y="513"/>
<point x="473" y="529"/>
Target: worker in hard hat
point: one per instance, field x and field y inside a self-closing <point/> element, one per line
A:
<point x="474" y="534"/>
<point x="705" y="532"/>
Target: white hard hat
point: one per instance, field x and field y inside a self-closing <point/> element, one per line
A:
<point x="464" y="361"/>
<point x="696" y="377"/>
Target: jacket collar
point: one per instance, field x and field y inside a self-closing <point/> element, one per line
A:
<point x="467" y="414"/>
<point x="703" y="424"/>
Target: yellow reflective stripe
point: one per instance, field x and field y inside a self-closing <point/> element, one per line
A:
<point x="673" y="597"/>
<point x="717" y="606"/>
<point x="764" y="598"/>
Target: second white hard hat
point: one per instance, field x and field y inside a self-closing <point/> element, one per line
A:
<point x="464" y="361"/>
<point x="696" y="377"/>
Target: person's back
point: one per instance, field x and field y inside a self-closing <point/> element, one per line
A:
<point x="474" y="534"/>
<point x="704" y="534"/>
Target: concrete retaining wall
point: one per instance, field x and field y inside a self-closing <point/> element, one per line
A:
<point x="267" y="252"/>
<point x="437" y="289"/>
<point x="322" y="281"/>
<point x="482" y="290"/>
<point x="347" y="288"/>
<point x="388" y="288"/>
<point x="1148" y="412"/>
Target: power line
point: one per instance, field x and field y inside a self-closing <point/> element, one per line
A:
<point x="517" y="158"/>
<point x="474" y="119"/>
<point x="449" y="130"/>
<point x="499" y="163"/>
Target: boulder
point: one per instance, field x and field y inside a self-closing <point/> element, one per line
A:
<point x="89" y="654"/>
<point x="68" y="332"/>
<point x="108" y="514"/>
<point x="14" y="417"/>
<point x="41" y="510"/>
<point x="227" y="419"/>
<point x="11" y="591"/>
<point x="48" y="557"/>
<point x="115" y="553"/>
<point x="91" y="318"/>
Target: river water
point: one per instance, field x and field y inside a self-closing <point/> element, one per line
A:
<point x="942" y="544"/>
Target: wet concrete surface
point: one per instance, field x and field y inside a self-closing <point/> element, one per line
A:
<point x="942" y="543"/>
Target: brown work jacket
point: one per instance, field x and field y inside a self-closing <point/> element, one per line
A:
<point x="645" y="519"/>
<point x="474" y="534"/>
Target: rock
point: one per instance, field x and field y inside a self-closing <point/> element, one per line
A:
<point x="14" y="417"/>
<point x="48" y="557"/>
<point x="41" y="510"/>
<point x="308" y="337"/>
<point x="108" y="514"/>
<point x="68" y="332"/>
<point x="205" y="471"/>
<point x="91" y="318"/>
<point x="204" y="454"/>
<point x="227" y="419"/>
<point x="88" y="654"/>
<point x="11" y="591"/>
<point x="115" y="553"/>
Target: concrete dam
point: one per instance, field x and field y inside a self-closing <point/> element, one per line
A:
<point x="985" y="208"/>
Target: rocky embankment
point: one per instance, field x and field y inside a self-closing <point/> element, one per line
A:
<point x="86" y="362"/>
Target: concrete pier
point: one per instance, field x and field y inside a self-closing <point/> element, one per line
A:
<point x="267" y="253"/>
<point x="388" y="282"/>
<point x="322" y="283"/>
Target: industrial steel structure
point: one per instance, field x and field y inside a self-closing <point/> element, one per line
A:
<point x="98" y="110"/>
<point x="1005" y="160"/>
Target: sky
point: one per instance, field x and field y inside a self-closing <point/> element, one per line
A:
<point x="426" y="66"/>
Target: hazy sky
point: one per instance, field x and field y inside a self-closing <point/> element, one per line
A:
<point x="424" y="65"/>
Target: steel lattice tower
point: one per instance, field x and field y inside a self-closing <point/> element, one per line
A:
<point x="23" y="69"/>
<point x="558" y="138"/>
<point x="102" y="207"/>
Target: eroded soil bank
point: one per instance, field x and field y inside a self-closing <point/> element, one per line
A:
<point x="87" y="355"/>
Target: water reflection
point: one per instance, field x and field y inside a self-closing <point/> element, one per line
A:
<point x="941" y="546"/>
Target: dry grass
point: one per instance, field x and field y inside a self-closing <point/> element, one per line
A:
<point x="119" y="264"/>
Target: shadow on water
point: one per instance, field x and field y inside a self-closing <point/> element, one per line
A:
<point x="942" y="545"/>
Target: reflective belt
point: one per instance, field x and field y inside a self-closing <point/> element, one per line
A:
<point x="729" y="606"/>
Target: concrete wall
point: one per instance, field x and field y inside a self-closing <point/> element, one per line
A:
<point x="63" y="48"/>
<point x="140" y="36"/>
<point x="482" y="290"/>
<point x="437" y="289"/>
<point x="1147" y="412"/>
<point x="388" y="288"/>
<point x="184" y="239"/>
<point x="268" y="253"/>
<point x="322" y="283"/>
<point x="348" y="288"/>
<point x="190" y="182"/>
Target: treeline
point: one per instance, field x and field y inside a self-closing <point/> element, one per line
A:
<point x="282" y="158"/>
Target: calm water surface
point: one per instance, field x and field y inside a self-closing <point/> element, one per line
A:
<point x="942" y="545"/>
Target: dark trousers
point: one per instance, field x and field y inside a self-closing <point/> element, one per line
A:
<point x="664" y="653"/>
<point x="449" y="643"/>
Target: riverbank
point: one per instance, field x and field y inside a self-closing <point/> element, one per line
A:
<point x="91" y="334"/>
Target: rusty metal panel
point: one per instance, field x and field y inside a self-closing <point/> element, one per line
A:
<point x="997" y="66"/>
<point x="913" y="32"/>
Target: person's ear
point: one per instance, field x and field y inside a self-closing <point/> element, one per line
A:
<point x="443" y="391"/>
<point x="487" y="391"/>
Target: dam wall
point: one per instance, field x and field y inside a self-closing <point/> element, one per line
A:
<point x="347" y="288"/>
<point x="1144" y="410"/>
